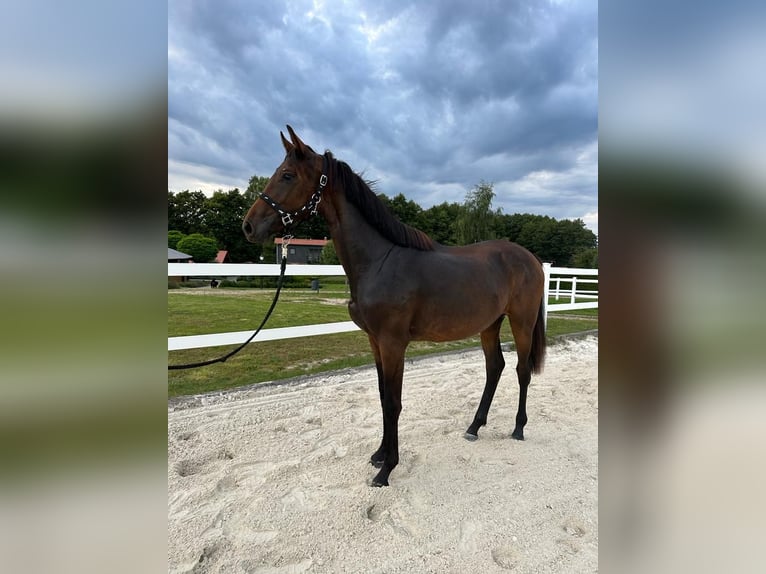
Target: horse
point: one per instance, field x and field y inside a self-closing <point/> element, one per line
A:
<point x="405" y="287"/>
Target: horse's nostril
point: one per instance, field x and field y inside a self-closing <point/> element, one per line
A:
<point x="247" y="228"/>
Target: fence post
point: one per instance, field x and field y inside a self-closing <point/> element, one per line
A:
<point x="574" y="289"/>
<point x="558" y="285"/>
<point x="546" y="291"/>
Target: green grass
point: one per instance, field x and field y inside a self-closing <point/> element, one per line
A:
<point x="575" y="312"/>
<point x="216" y="311"/>
<point x="192" y="312"/>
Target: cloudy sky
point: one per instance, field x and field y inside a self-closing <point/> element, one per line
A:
<point x="427" y="98"/>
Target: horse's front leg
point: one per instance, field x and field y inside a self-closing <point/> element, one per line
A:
<point x="393" y="372"/>
<point x="379" y="455"/>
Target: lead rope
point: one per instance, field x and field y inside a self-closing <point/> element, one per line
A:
<point x="285" y="242"/>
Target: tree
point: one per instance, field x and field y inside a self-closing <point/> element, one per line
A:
<point x="255" y="186"/>
<point x="475" y="222"/>
<point x="439" y="222"/>
<point x="223" y="215"/>
<point x="510" y="226"/>
<point x="172" y="215"/>
<point x="538" y="235"/>
<point x="186" y="211"/>
<point x="329" y="256"/>
<point x="552" y="240"/>
<point x="406" y="211"/>
<point x="202" y="249"/>
<point x="174" y="236"/>
<point x="588" y="259"/>
<point x="572" y="237"/>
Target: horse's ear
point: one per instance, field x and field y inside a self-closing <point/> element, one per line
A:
<point x="288" y="146"/>
<point x="300" y="147"/>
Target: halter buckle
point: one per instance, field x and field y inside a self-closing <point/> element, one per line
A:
<point x="316" y="204"/>
<point x="285" y="242"/>
<point x="287" y="219"/>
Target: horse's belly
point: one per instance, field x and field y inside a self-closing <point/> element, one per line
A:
<point x="457" y="313"/>
<point x="451" y="327"/>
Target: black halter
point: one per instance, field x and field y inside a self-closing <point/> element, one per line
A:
<point x="289" y="217"/>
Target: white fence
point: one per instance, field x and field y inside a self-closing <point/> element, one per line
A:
<point x="554" y="275"/>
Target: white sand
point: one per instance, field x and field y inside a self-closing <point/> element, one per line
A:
<point x="274" y="479"/>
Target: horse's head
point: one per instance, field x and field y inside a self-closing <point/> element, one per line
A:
<point x="291" y="195"/>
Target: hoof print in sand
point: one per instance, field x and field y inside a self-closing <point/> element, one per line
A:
<point x="189" y="467"/>
<point x="505" y="557"/>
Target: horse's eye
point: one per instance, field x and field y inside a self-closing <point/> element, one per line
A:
<point x="286" y="176"/>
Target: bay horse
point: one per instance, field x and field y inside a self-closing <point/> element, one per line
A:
<point x="405" y="286"/>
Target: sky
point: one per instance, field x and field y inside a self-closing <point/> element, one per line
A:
<point x="428" y="99"/>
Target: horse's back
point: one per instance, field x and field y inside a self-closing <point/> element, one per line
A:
<point x="507" y="258"/>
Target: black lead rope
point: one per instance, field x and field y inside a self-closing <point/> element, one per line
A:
<point x="288" y="221"/>
<point x="258" y="330"/>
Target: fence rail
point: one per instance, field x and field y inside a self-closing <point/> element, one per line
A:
<point x="557" y="275"/>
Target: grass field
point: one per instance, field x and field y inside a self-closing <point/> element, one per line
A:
<point x="202" y="311"/>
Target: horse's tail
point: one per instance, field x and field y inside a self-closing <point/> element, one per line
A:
<point x="537" y="354"/>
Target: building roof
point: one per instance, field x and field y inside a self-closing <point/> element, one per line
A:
<point x="173" y="254"/>
<point x="314" y="242"/>
<point x="221" y="256"/>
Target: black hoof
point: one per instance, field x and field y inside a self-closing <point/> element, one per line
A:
<point x="471" y="437"/>
<point x="378" y="481"/>
<point x="381" y="479"/>
<point x="518" y="435"/>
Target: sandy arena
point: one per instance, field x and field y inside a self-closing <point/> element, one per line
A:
<point x="273" y="479"/>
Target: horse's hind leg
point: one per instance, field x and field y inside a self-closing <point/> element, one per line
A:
<point x="493" y="357"/>
<point x="522" y="336"/>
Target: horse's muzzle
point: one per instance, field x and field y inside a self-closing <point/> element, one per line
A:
<point x="261" y="229"/>
<point x="252" y="232"/>
<point x="247" y="229"/>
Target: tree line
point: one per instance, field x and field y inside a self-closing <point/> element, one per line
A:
<point x="194" y="219"/>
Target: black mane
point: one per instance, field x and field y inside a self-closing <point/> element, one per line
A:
<point x="358" y="192"/>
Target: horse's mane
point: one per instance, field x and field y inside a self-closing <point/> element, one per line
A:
<point x="376" y="213"/>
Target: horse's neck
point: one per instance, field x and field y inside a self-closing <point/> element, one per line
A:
<point x="357" y="244"/>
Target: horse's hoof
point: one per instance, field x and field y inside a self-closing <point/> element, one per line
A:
<point x="518" y="435"/>
<point x="381" y="479"/>
<point x="471" y="437"/>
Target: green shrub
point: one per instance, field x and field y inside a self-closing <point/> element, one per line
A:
<point x="587" y="258"/>
<point x="174" y="237"/>
<point x="201" y="248"/>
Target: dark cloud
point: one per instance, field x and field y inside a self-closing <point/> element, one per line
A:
<point x="430" y="97"/>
